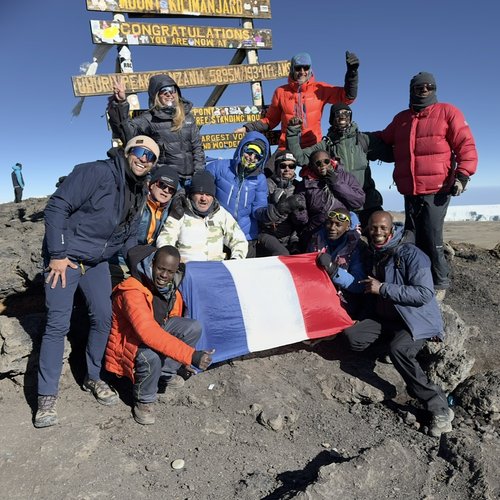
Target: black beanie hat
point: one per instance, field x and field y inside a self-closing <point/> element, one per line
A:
<point x="422" y="77"/>
<point x="202" y="182"/>
<point x="167" y="174"/>
<point x="337" y="107"/>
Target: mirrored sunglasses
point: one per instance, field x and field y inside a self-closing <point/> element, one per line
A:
<point x="423" y="87"/>
<point x="339" y="216"/>
<point x="139" y="152"/>
<point x="343" y="112"/>
<point x="168" y="90"/>
<point x="251" y="152"/>
<point x="165" y="187"/>
<point x="324" y="161"/>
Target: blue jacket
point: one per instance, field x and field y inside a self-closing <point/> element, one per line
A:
<point x="145" y="222"/>
<point x="17" y="176"/>
<point x="242" y="194"/>
<point x="409" y="287"/>
<point x="82" y="218"/>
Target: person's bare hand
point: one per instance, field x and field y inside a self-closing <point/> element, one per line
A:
<point x="119" y="89"/>
<point x="58" y="270"/>
<point x="372" y="285"/>
<point x="240" y="130"/>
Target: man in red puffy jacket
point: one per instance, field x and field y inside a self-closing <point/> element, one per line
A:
<point x="434" y="154"/>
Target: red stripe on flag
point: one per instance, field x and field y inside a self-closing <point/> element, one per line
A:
<point x="319" y="302"/>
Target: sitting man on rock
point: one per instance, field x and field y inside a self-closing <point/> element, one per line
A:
<point x="149" y="338"/>
<point x="404" y="311"/>
<point x="202" y="227"/>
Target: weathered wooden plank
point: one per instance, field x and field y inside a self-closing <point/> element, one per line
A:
<point x="114" y="33"/>
<point x="195" y="77"/>
<point x="257" y="9"/>
<point x="220" y="115"/>
<point x="231" y="141"/>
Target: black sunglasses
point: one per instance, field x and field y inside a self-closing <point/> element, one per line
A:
<point x="324" y="161"/>
<point x="285" y="165"/>
<point x="165" y="187"/>
<point x="301" y="67"/>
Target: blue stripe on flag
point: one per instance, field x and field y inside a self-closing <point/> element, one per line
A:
<point x="207" y="283"/>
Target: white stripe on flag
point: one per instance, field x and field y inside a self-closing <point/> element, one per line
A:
<point x="269" y="302"/>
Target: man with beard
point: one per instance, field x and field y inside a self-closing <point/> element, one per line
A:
<point x="92" y="215"/>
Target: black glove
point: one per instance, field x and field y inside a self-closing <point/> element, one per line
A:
<point x="325" y="261"/>
<point x="351" y="75"/>
<point x="331" y="177"/>
<point x="458" y="187"/>
<point x="294" y="202"/>
<point x="60" y="180"/>
<point x="352" y="61"/>
<point x="178" y="206"/>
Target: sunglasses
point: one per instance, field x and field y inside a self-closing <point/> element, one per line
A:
<point x="251" y="152"/>
<point x="165" y="187"/>
<point x="423" y="87"/>
<point x="343" y="112"/>
<point x="283" y="166"/>
<point x="301" y="67"/>
<point x="324" y="161"/>
<point x="139" y="152"/>
<point x="339" y="216"/>
<point x="168" y="90"/>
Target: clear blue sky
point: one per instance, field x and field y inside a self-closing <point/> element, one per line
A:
<point x="45" y="42"/>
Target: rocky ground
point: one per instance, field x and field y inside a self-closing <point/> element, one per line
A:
<point x="305" y="421"/>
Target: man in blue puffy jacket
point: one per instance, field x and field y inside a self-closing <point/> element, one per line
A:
<point x="405" y="312"/>
<point x="241" y="187"/>
<point x="93" y="214"/>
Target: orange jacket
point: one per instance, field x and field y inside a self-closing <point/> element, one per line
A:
<point x="133" y="324"/>
<point x="307" y="104"/>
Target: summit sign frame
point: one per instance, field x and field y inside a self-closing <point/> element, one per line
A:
<point x="253" y="9"/>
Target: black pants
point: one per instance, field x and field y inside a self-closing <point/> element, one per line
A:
<point x="270" y="245"/>
<point x="18" y="194"/>
<point x="424" y="216"/>
<point x="403" y="351"/>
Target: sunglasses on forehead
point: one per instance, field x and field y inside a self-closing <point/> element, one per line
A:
<point x="165" y="187"/>
<point x="339" y="216"/>
<point x="139" y="152"/>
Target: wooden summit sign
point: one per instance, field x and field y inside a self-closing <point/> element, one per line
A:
<point x="219" y="115"/>
<point x="231" y="140"/>
<point x="204" y="8"/>
<point x="113" y="32"/>
<point x="87" y="85"/>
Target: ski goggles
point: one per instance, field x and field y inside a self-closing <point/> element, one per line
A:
<point x="169" y="89"/>
<point x="339" y="216"/>
<point x="139" y="152"/>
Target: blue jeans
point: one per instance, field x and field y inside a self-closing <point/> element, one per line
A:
<point x="95" y="285"/>
<point x="151" y="365"/>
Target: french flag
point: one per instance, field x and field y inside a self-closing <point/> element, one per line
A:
<point x="252" y="305"/>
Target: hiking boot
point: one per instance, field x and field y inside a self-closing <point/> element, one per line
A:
<point x="441" y="423"/>
<point x="46" y="414"/>
<point x="144" y="413"/>
<point x="175" y="382"/>
<point x="440" y="295"/>
<point x="104" y="394"/>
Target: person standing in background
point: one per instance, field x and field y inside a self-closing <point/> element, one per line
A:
<point x="17" y="182"/>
